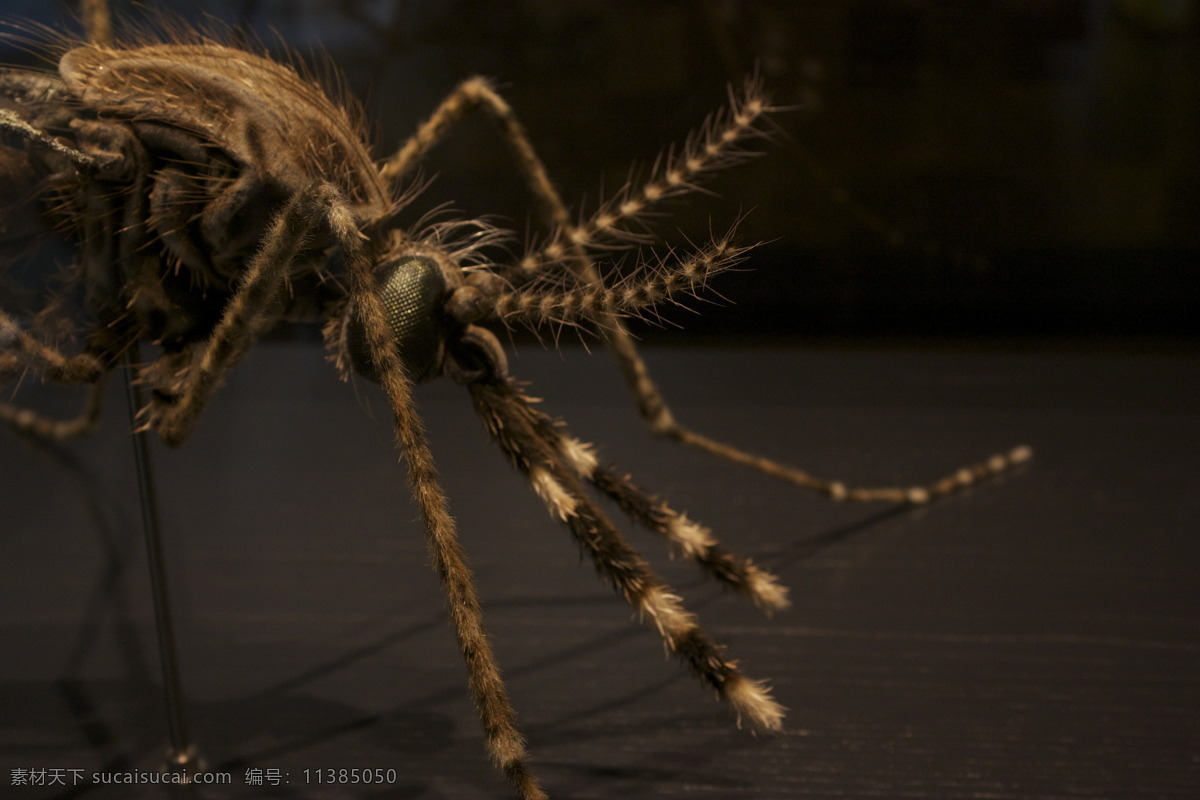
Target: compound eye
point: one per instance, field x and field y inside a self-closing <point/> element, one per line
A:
<point x="413" y="291"/>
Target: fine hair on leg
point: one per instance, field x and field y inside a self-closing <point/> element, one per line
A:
<point x="513" y="424"/>
<point x="24" y="351"/>
<point x="505" y="743"/>
<point x="716" y="146"/>
<point x="322" y="206"/>
<point x="11" y="121"/>
<point x="695" y="541"/>
<point x="176" y="409"/>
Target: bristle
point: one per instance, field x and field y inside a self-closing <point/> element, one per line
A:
<point x="581" y="456"/>
<point x="712" y="148"/>
<point x="690" y="537"/>
<point x="752" y="700"/>
<point x="765" y="590"/>
<point x="650" y="285"/>
<point x="560" y="502"/>
<point x="666" y="610"/>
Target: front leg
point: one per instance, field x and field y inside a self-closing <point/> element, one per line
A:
<point x="176" y="404"/>
<point x="505" y="743"/>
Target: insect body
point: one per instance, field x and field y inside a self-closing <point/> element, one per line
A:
<point x="194" y="149"/>
<point x="205" y="189"/>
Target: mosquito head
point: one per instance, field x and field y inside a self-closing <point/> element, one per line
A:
<point x="430" y="307"/>
<point x="412" y="289"/>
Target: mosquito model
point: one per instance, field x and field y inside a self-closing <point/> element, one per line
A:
<point x="203" y="187"/>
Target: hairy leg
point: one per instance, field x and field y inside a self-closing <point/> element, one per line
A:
<point x="516" y="427"/>
<point x="506" y="745"/>
<point x="174" y="410"/>
<point x="695" y="541"/>
<point x="246" y="313"/>
<point x="12" y="122"/>
<point x="30" y="422"/>
<point x="716" y="146"/>
<point x="23" y="351"/>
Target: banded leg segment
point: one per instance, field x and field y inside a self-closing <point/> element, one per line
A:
<point x="695" y="541"/>
<point x="837" y="490"/>
<point x="323" y="207"/>
<point x="714" y="148"/>
<point x="521" y="433"/>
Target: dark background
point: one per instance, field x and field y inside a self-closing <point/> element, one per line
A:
<point x="997" y="168"/>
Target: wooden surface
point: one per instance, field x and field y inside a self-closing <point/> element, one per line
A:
<point x="1034" y="638"/>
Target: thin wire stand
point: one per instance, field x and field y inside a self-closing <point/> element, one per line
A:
<point x="182" y="755"/>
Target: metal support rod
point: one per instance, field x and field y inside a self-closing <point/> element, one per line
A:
<point x="182" y="754"/>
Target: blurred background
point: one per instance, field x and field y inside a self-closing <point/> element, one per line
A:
<point x="994" y="169"/>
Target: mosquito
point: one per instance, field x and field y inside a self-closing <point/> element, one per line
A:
<point x="204" y="188"/>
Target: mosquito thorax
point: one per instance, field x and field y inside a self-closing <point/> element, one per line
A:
<point x="413" y="290"/>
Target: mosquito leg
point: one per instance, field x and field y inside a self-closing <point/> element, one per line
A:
<point x="706" y="152"/>
<point x="22" y="351"/>
<point x="97" y="22"/>
<point x="174" y="411"/>
<point x="10" y="121"/>
<point x="471" y="95"/>
<point x="512" y="423"/>
<point x="695" y="541"/>
<point x="837" y="490"/>
<point x="505" y="742"/>
<point x="30" y="422"/>
<point x="654" y="410"/>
